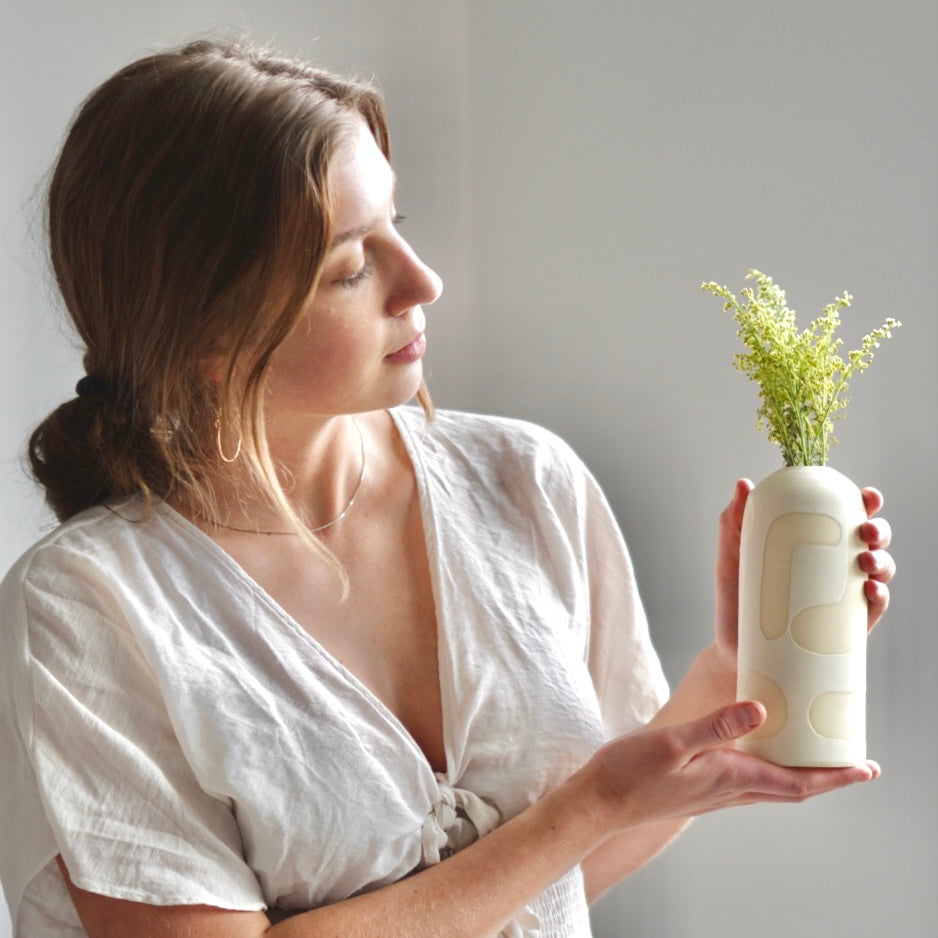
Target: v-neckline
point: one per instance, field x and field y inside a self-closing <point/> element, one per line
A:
<point x="444" y="659"/>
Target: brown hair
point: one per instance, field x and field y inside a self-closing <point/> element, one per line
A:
<point x="188" y="216"/>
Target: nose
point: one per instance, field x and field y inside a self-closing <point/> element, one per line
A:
<point x="416" y="284"/>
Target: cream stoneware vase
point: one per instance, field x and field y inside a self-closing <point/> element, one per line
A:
<point x="802" y="618"/>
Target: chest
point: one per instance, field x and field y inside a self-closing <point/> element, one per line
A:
<point x="458" y="637"/>
<point x="384" y="630"/>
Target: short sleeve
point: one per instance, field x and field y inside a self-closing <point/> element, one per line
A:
<point x="626" y="671"/>
<point x="120" y="801"/>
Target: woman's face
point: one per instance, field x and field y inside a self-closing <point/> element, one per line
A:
<point x="360" y="342"/>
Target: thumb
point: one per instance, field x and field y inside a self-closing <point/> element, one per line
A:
<point x="724" y="725"/>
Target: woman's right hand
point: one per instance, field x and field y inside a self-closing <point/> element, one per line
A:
<point x="684" y="769"/>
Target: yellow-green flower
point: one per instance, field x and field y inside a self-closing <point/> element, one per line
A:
<point x="802" y="379"/>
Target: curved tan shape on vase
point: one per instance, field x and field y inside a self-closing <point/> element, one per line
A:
<point x="838" y="716"/>
<point x="754" y="686"/>
<point x="785" y="533"/>
<point x="828" y="630"/>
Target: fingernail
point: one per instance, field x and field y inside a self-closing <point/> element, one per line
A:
<point x="752" y="714"/>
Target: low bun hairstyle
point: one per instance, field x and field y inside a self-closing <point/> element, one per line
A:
<point x="188" y="216"/>
<point x="92" y="448"/>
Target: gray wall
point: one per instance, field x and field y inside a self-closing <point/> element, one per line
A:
<point x="574" y="170"/>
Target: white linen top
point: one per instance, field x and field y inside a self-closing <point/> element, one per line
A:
<point x="170" y="730"/>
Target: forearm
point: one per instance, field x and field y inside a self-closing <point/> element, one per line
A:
<point x="474" y="893"/>
<point x="623" y="854"/>
<point x="706" y="686"/>
<point x="477" y="891"/>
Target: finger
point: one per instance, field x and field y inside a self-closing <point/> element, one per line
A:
<point x="797" y="789"/>
<point x="738" y="503"/>
<point x="720" y="727"/>
<point x="878" y="565"/>
<point x="872" y="500"/>
<point x="877" y="601"/>
<point x="752" y="780"/>
<point x="770" y="782"/>
<point x="797" y="784"/>
<point x="876" y="533"/>
<point x="731" y="518"/>
<point x="727" y="572"/>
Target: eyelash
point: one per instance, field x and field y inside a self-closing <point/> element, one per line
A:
<point x="349" y="283"/>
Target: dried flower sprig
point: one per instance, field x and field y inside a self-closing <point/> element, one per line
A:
<point x="802" y="379"/>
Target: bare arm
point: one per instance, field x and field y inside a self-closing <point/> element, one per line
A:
<point x="474" y="893"/>
<point x="661" y="774"/>
<point x="711" y="681"/>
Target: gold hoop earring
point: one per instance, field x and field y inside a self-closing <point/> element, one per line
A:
<point x="221" y="449"/>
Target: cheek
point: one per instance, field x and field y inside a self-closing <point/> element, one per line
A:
<point x="340" y="346"/>
<point x="328" y="349"/>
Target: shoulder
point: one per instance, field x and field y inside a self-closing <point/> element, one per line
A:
<point x="46" y="600"/>
<point x="86" y="568"/>
<point x="71" y="538"/>
<point x="502" y="470"/>
<point x="76" y="603"/>
<point x="503" y="443"/>
<point x="93" y="537"/>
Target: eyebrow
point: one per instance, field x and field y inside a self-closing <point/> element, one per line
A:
<point x="351" y="235"/>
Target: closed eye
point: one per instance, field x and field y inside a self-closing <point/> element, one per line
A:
<point x="367" y="268"/>
<point x="363" y="274"/>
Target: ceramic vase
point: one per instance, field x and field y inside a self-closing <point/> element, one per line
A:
<point x="802" y="618"/>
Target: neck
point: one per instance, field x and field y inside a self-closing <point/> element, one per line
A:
<point x="322" y="476"/>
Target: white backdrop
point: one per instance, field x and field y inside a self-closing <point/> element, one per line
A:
<point x="574" y="170"/>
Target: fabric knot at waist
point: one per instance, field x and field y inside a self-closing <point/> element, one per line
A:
<point x="458" y="819"/>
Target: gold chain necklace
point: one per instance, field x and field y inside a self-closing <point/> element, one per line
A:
<point x="321" y="527"/>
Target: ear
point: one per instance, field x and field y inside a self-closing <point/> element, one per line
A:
<point x="213" y="363"/>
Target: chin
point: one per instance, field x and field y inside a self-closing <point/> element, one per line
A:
<point x="410" y="388"/>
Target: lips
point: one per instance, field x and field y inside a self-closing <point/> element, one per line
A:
<point x="411" y="352"/>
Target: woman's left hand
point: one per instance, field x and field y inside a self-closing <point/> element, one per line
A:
<point x="876" y="562"/>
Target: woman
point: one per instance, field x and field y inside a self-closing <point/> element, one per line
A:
<point x="301" y="661"/>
